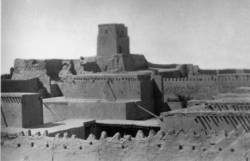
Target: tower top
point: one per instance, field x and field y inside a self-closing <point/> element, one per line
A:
<point x="111" y="24"/>
<point x="112" y="39"/>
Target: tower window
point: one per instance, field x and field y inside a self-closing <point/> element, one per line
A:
<point x="119" y="49"/>
<point x="121" y="33"/>
<point x="106" y="31"/>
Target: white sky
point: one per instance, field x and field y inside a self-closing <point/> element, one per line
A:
<point x="210" y="33"/>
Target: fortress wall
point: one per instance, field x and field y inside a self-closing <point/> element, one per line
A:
<point x="195" y="87"/>
<point x="47" y="70"/>
<point x="223" y="106"/>
<point x="21" y="109"/>
<point x="108" y="87"/>
<point x="103" y="96"/>
<point x="90" y="65"/>
<point x="207" y="72"/>
<point x="160" y="105"/>
<point x="12" y="111"/>
<point x="84" y="110"/>
<point x="229" y="83"/>
<point x="171" y="74"/>
<point x="134" y="62"/>
<point x="44" y="70"/>
<point x="30" y="85"/>
<point x="181" y="70"/>
<point x="247" y="71"/>
<point x="135" y="113"/>
<point x="53" y="67"/>
<point x="223" y="71"/>
<point x="203" y="86"/>
<point x="205" y="122"/>
<point x="122" y="62"/>
<point x="41" y="75"/>
<point x="61" y="108"/>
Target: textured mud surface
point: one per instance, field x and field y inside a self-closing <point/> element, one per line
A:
<point x="162" y="146"/>
<point x="117" y="84"/>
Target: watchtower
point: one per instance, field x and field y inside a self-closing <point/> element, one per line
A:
<point x="112" y="40"/>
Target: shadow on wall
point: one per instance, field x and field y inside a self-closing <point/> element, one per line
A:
<point x="55" y="90"/>
<point x="158" y="95"/>
<point x="42" y="90"/>
<point x="53" y="67"/>
<point x="91" y="67"/>
<point x="29" y="85"/>
<point x="123" y="130"/>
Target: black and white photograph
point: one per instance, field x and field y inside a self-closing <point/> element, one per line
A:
<point x="125" y="80"/>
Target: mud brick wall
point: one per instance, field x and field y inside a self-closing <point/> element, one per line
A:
<point x="21" y="109"/>
<point x="224" y="71"/>
<point x="122" y="62"/>
<point x="228" y="83"/>
<point x="203" y="87"/>
<point x="44" y="70"/>
<point x="196" y="87"/>
<point x="112" y="39"/>
<point x="109" y="87"/>
<point x="48" y="70"/>
<point x="144" y="146"/>
<point x="206" y="122"/>
<point x="159" y="94"/>
<point x="90" y="65"/>
<point x="134" y="62"/>
<point x="222" y="106"/>
<point x="31" y="85"/>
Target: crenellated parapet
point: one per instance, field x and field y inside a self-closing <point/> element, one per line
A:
<point x="206" y="121"/>
<point x="129" y="86"/>
<point x="158" y="146"/>
<point x="204" y="86"/>
<point x="229" y="106"/>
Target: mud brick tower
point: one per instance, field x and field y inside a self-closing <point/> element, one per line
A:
<point x="112" y="40"/>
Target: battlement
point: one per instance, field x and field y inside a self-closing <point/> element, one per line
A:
<point x="119" y="30"/>
<point x="104" y="95"/>
<point x="159" y="146"/>
<point x="233" y="77"/>
<point x="109" y="86"/>
<point x="225" y="106"/>
<point x="198" y="121"/>
<point x="204" y="86"/>
<point x="131" y="76"/>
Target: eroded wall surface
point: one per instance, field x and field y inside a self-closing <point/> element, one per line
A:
<point x="21" y="109"/>
<point x="157" y="147"/>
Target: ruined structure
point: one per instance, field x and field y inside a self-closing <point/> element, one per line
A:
<point x="119" y="106"/>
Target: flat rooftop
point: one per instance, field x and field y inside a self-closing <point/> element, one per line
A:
<point x="17" y="94"/>
<point x="144" y="123"/>
<point x="50" y="127"/>
<point x="79" y="100"/>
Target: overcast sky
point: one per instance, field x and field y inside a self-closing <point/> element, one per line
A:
<point x="210" y="33"/>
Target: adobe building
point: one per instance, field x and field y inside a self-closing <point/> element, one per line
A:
<point x="57" y="109"/>
<point x="112" y="40"/>
<point x="116" y="84"/>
